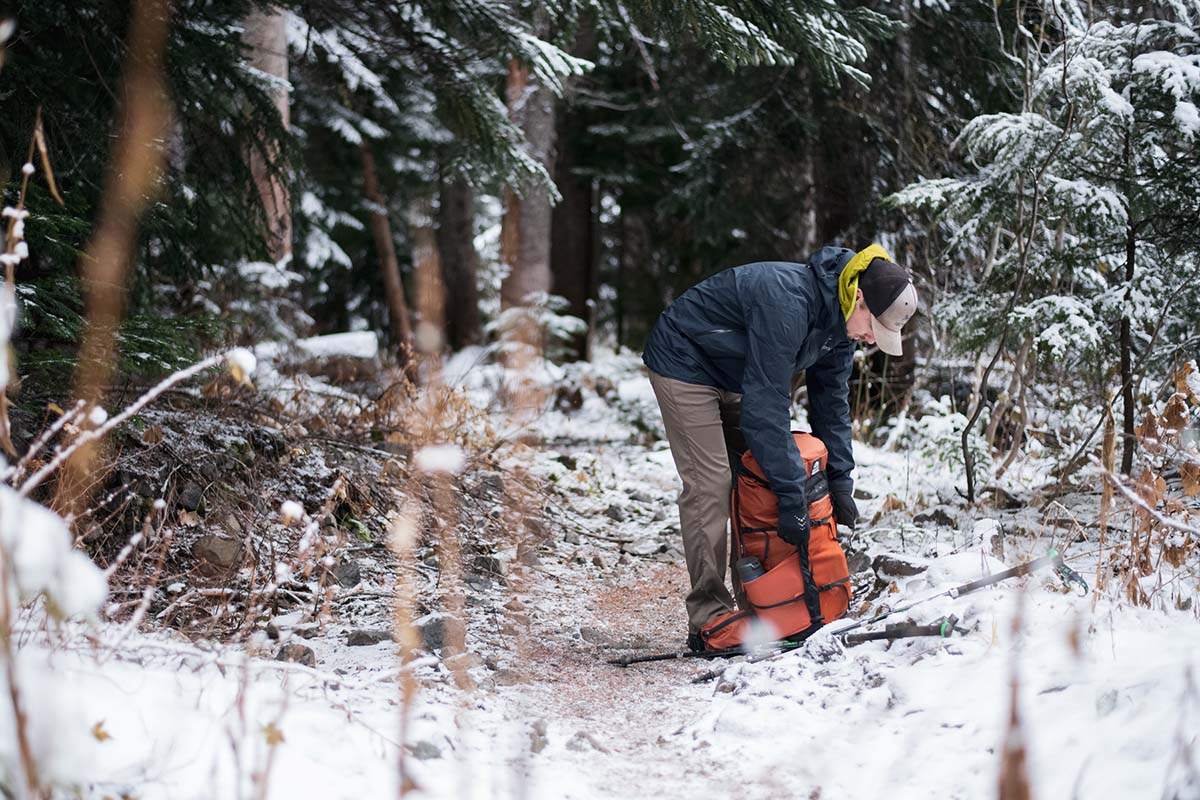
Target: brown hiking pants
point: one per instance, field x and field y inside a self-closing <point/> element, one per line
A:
<point x="704" y="430"/>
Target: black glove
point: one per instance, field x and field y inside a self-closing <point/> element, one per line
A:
<point x="793" y="526"/>
<point x="845" y="512"/>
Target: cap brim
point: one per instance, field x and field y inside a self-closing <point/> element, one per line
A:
<point x="888" y="340"/>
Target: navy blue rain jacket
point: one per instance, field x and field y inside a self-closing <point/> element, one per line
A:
<point x="749" y="329"/>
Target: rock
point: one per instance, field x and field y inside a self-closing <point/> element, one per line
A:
<point x="479" y="583"/>
<point x="346" y="573"/>
<point x="491" y="483"/>
<point x="599" y="562"/>
<point x="857" y="561"/>
<point x="862" y="494"/>
<point x="488" y="564"/>
<point x="537" y="736"/>
<point x="641" y="496"/>
<point x="568" y="398"/>
<point x="568" y="461"/>
<point x="424" y="751"/>
<point x="938" y="515"/>
<point x="571" y="537"/>
<point x="367" y="637"/>
<point x="536" y="527"/>
<point x="624" y="559"/>
<point x="190" y="497"/>
<point x="583" y="741"/>
<point x="604" y="387"/>
<point x="896" y="566"/>
<point x="527" y="554"/>
<point x="616" y="513"/>
<point x="464" y="661"/>
<point x="1003" y="499"/>
<point x="298" y="654"/>
<point x="514" y="605"/>
<point x="595" y="635"/>
<point x="217" y="554"/>
<point x="645" y="547"/>
<point x="439" y="630"/>
<point x="660" y="514"/>
<point x="508" y="677"/>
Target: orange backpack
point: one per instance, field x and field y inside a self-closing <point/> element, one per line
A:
<point x="800" y="590"/>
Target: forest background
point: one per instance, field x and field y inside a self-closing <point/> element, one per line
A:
<point x="516" y="190"/>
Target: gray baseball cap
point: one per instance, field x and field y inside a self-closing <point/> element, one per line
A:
<point x="892" y="300"/>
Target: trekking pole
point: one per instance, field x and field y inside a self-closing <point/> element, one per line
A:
<point x="1068" y="576"/>
<point x="942" y="628"/>
<point x="625" y="661"/>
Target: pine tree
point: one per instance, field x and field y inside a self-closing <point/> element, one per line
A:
<point x="1080" y="212"/>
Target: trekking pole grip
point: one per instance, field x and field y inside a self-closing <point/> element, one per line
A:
<point x="1013" y="572"/>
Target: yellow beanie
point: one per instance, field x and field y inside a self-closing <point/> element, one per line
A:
<point x="848" y="280"/>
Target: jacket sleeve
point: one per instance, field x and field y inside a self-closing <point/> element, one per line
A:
<point x="829" y="412"/>
<point x="774" y="335"/>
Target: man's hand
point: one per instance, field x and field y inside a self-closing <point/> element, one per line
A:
<point x="845" y="511"/>
<point x="794" y="526"/>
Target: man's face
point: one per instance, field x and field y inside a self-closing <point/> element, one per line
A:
<point x="858" y="327"/>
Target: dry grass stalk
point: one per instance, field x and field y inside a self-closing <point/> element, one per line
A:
<point x="136" y="166"/>
<point x="1014" y="771"/>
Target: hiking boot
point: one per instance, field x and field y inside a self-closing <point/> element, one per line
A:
<point x="695" y="643"/>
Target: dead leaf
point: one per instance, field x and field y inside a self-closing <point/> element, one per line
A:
<point x="189" y="519"/>
<point x="892" y="503"/>
<point x="99" y="733"/>
<point x="1190" y="471"/>
<point x="1175" y="415"/>
<point x="1181" y="381"/>
<point x="272" y="734"/>
<point x="154" y="434"/>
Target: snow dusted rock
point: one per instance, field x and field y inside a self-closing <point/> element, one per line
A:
<point x="645" y="547"/>
<point x="583" y="741"/>
<point x="488" y="565"/>
<point x="346" y="573"/>
<point x="571" y="537"/>
<point x="642" y="496"/>
<point x="439" y="630"/>
<point x="367" y="637"/>
<point x="191" y="496"/>
<point x="217" y="554"/>
<point x="508" y="677"/>
<point x="537" y="736"/>
<point x="298" y="654"/>
<point x="616" y="513"/>
<point x="424" y="751"/>
<point x="463" y="661"/>
<point x="938" y="515"/>
<point x="594" y="635"/>
<point x="896" y="566"/>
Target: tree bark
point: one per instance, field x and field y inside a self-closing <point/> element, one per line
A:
<point x="265" y="36"/>
<point x="1130" y="444"/>
<point x="573" y="245"/>
<point x="385" y="247"/>
<point x="525" y="229"/>
<point x="460" y="263"/>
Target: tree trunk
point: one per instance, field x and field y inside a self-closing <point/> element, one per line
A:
<point x="430" y="292"/>
<point x="460" y="263"/>
<point x="385" y="247"/>
<point x="265" y="36"/>
<point x="1130" y="444"/>
<point x="573" y="246"/>
<point x="525" y="230"/>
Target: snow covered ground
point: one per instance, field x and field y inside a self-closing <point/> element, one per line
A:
<point x="1108" y="695"/>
